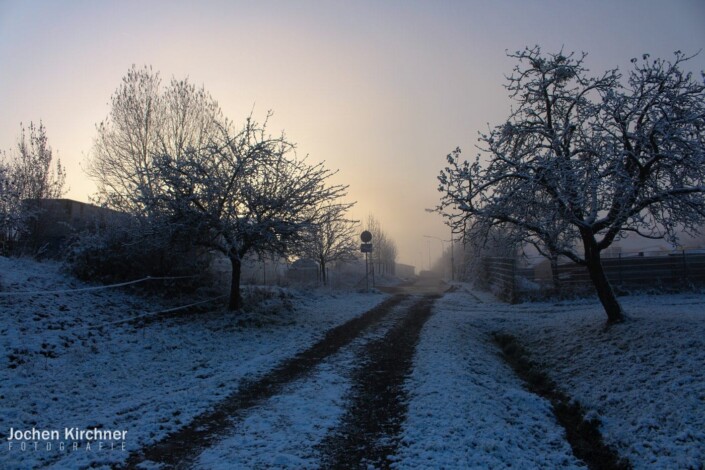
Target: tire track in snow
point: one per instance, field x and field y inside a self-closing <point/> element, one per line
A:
<point x="369" y="432"/>
<point x="286" y="430"/>
<point x="181" y="448"/>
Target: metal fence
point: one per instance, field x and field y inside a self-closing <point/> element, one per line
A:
<point x="518" y="279"/>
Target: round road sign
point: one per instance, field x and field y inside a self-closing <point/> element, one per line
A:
<point x="366" y="236"/>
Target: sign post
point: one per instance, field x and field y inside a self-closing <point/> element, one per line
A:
<point x="366" y="248"/>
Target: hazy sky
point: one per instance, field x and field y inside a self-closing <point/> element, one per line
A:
<point x="381" y="90"/>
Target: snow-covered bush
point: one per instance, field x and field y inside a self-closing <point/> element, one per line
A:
<point x="133" y="250"/>
<point x="272" y="300"/>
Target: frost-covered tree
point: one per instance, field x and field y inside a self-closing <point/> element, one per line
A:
<point x="27" y="173"/>
<point x="332" y="237"/>
<point x="147" y="120"/>
<point x="168" y="156"/>
<point x="597" y="156"/>
<point x="243" y="193"/>
<point x="10" y="216"/>
<point x="31" y="165"/>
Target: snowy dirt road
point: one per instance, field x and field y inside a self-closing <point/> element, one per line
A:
<point x="369" y="431"/>
<point x="182" y="447"/>
<point x="426" y="388"/>
<point x="359" y="367"/>
<point x="379" y="391"/>
<point x="357" y="380"/>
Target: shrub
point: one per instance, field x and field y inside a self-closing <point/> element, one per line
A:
<point x="128" y="251"/>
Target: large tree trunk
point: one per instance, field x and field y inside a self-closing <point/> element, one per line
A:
<point x="554" y="273"/>
<point x="235" y="297"/>
<point x="599" y="279"/>
<point x="324" y="278"/>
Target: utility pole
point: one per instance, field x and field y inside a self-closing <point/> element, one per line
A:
<point x="452" y="254"/>
<point x="452" y="258"/>
<point x="428" y="244"/>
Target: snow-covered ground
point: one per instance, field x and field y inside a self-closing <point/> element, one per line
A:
<point x="286" y="431"/>
<point x="467" y="409"/>
<point x="644" y="379"/>
<point x="57" y="372"/>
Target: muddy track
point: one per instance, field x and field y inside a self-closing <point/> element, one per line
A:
<point x="180" y="448"/>
<point x="368" y="434"/>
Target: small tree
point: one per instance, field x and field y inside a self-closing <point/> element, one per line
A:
<point x="557" y="236"/>
<point x="243" y="193"/>
<point x="595" y="156"/>
<point x="32" y="168"/>
<point x="332" y="237"/>
<point x="27" y="173"/>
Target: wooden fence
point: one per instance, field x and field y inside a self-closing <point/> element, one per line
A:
<point x="515" y="280"/>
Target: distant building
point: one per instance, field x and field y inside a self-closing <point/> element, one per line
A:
<point x="303" y="271"/>
<point x="263" y="270"/>
<point x="404" y="271"/>
<point x="56" y="220"/>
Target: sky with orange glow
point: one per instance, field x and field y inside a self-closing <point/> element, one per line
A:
<point x="380" y="90"/>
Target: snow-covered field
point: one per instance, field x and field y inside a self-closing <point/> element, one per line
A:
<point x="644" y="379"/>
<point x="58" y="372"/>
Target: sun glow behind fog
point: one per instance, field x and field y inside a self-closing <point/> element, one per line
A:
<point x="380" y="91"/>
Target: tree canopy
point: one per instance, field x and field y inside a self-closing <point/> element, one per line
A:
<point x="584" y="160"/>
<point x="170" y="157"/>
